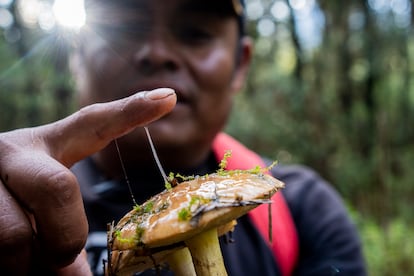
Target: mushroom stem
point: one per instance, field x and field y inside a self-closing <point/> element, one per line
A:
<point x="181" y="263"/>
<point x="206" y="253"/>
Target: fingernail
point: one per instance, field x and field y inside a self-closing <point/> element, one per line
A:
<point x="160" y="93"/>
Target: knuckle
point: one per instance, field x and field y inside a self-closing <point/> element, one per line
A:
<point x="59" y="187"/>
<point x="91" y="118"/>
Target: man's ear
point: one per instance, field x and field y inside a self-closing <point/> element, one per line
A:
<point x="244" y="59"/>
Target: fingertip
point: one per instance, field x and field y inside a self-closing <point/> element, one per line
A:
<point x="159" y="94"/>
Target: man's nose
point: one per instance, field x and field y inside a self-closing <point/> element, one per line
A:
<point x="156" y="54"/>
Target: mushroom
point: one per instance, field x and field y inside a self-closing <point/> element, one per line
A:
<point x="190" y="215"/>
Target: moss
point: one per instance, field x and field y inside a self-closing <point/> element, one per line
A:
<point x="149" y="207"/>
<point x="137" y="208"/>
<point x="184" y="214"/>
<point x="131" y="241"/>
<point x="223" y="162"/>
<point x="168" y="186"/>
<point x="139" y="232"/>
<point x="256" y="170"/>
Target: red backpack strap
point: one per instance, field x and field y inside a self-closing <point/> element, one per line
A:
<point x="285" y="245"/>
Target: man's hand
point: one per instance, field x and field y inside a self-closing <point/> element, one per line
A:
<point x="42" y="220"/>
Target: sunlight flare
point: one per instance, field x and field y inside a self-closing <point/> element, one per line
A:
<point x="70" y="13"/>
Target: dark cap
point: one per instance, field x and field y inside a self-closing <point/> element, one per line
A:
<point x="238" y="6"/>
<point x="234" y="7"/>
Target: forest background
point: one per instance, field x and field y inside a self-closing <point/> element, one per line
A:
<point x="331" y="87"/>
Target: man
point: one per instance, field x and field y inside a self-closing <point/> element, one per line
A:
<point x="199" y="52"/>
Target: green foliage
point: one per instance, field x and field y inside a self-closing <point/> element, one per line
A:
<point x="34" y="86"/>
<point x="345" y="109"/>
<point x="388" y="248"/>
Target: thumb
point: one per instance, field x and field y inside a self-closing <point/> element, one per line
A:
<point x="93" y="127"/>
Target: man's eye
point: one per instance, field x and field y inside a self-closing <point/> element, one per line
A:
<point x="123" y="31"/>
<point x="195" y="35"/>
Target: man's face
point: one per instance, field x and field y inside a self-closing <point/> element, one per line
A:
<point x="159" y="43"/>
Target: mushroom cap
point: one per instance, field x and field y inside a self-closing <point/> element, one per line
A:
<point x="127" y="262"/>
<point x="192" y="207"/>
